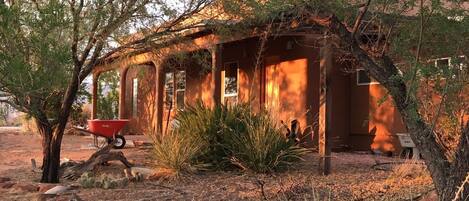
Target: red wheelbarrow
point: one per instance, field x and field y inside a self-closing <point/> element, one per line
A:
<point x="108" y="129"/>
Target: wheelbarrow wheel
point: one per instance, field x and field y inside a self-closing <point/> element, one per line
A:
<point x="119" y="142"/>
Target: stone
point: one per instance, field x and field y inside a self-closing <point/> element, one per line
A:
<point x="141" y="171"/>
<point x="57" y="190"/>
<point x="138" y="143"/>
<point x="26" y="187"/>
<point x="45" y="187"/>
<point x="4" y="179"/>
<point x="130" y="144"/>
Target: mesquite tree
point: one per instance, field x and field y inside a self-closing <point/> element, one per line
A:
<point x="431" y="95"/>
<point x="48" y="47"/>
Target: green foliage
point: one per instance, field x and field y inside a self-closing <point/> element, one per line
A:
<point x="178" y="151"/>
<point x="225" y="137"/>
<point x="108" y="95"/>
<point x="260" y="146"/>
<point x="87" y="180"/>
<point x="35" y="55"/>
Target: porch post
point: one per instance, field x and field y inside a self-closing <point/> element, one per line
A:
<point x="217" y="63"/>
<point x="325" y="106"/>
<point x="159" y="93"/>
<point x="122" y="92"/>
<point x="94" y="96"/>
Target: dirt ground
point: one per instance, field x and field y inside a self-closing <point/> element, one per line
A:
<point x="353" y="177"/>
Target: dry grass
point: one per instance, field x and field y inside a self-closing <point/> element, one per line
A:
<point x="410" y="169"/>
<point x="459" y="194"/>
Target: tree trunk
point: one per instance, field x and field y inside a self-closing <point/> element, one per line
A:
<point x="51" y="145"/>
<point x="447" y="175"/>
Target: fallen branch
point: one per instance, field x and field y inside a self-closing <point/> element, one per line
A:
<point x="99" y="157"/>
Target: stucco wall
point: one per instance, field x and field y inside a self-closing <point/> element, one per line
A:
<point x="287" y="83"/>
<point x="144" y="119"/>
<point x="374" y="120"/>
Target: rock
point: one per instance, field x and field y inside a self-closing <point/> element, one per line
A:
<point x="141" y="172"/>
<point x="130" y="144"/>
<point x="138" y="143"/>
<point x="57" y="190"/>
<point x="7" y="184"/>
<point x="4" y="179"/>
<point x="45" y="187"/>
<point x="26" y="187"/>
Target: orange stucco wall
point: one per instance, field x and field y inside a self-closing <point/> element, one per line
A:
<point x="374" y="120"/>
<point x="286" y="82"/>
<point x="144" y="119"/>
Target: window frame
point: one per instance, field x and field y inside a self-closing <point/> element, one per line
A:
<point x="363" y="83"/>
<point x="223" y="81"/>
<point x="175" y="90"/>
<point x="135" y="97"/>
<point x="450" y="64"/>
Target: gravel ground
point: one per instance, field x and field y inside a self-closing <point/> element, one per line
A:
<point x="352" y="178"/>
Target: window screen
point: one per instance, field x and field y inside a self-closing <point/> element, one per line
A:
<point x="231" y="79"/>
<point x="180" y="88"/>
<point x="168" y="89"/>
<point x="363" y="78"/>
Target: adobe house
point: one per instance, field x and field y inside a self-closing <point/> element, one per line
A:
<point x="289" y="80"/>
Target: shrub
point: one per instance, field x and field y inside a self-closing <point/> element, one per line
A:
<point x="178" y="151"/>
<point x="260" y="146"/>
<point x="225" y="137"/>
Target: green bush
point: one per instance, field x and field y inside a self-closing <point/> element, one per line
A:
<point x="178" y="152"/>
<point x="225" y="137"/>
<point x="260" y="146"/>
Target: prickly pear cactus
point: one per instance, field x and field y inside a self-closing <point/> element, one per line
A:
<point x="104" y="181"/>
<point x="86" y="180"/>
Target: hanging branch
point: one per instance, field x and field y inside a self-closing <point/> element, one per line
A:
<point x="358" y="21"/>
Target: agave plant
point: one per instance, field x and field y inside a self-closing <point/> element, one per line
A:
<point x="224" y="137"/>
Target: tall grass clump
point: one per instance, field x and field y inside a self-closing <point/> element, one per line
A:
<point x="178" y="152"/>
<point x="226" y="137"/>
<point x="260" y="146"/>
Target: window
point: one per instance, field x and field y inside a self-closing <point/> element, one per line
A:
<point x="180" y="88"/>
<point x="448" y="62"/>
<point x="175" y="89"/>
<point x="364" y="79"/>
<point x="230" y="83"/>
<point x="168" y="89"/>
<point x="450" y="66"/>
<point x="134" y="97"/>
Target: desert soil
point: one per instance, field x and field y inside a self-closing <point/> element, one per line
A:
<point x="353" y="177"/>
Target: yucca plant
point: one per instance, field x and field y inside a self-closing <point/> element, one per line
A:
<point x="178" y="152"/>
<point x="260" y="146"/>
<point x="224" y="137"/>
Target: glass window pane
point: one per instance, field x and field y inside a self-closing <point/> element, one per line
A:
<point x="442" y="63"/>
<point x="169" y="88"/>
<point x="363" y="77"/>
<point x="231" y="79"/>
<point x="134" y="97"/>
<point x="181" y="80"/>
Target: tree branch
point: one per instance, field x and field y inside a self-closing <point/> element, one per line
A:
<point x="358" y="21"/>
